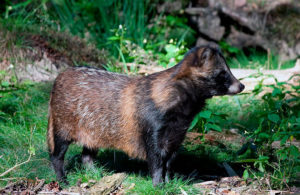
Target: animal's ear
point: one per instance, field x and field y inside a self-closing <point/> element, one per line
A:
<point x="185" y="66"/>
<point x="196" y="58"/>
<point x="204" y="55"/>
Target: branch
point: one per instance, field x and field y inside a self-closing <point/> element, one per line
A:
<point x="16" y="166"/>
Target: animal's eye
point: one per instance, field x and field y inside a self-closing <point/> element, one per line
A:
<point x="222" y="74"/>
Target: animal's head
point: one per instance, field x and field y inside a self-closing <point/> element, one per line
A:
<point x="206" y="67"/>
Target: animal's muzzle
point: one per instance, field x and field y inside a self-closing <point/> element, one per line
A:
<point x="235" y="88"/>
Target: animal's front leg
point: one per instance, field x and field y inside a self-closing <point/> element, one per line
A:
<point x="155" y="164"/>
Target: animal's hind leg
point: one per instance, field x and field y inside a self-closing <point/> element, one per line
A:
<point x="88" y="155"/>
<point x="167" y="170"/>
<point x="57" y="157"/>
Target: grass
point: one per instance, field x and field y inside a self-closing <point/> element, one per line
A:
<point x="256" y="60"/>
<point x="23" y="111"/>
<point x="143" y="185"/>
<point x="23" y="123"/>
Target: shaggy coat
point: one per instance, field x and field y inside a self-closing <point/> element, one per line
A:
<point x="146" y="117"/>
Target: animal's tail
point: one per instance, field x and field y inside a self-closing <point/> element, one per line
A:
<point x="50" y="133"/>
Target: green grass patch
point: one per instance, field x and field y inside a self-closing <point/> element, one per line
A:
<point x="257" y="60"/>
<point x="143" y="185"/>
<point x="23" y="123"/>
<point x="23" y="126"/>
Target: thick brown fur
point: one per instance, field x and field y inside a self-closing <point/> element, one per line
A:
<point x="146" y="117"/>
<point x="94" y="113"/>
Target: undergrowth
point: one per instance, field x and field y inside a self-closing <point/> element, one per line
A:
<point x="23" y="123"/>
<point x="269" y="118"/>
<point x="23" y="126"/>
<point x="162" y="37"/>
<point x="269" y="114"/>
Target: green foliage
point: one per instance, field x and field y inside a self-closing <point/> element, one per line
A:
<point x="98" y="18"/>
<point x="173" y="54"/>
<point x="207" y="120"/>
<point x="252" y="58"/>
<point x="23" y="113"/>
<point x="228" y="49"/>
<point x="164" y="28"/>
<point x="279" y="122"/>
<point x="175" y="186"/>
<point x="104" y="22"/>
<point x="269" y="116"/>
<point x="256" y="60"/>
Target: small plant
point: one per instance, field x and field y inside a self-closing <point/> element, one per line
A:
<point x="278" y="123"/>
<point x="207" y="120"/>
<point x="228" y="49"/>
<point x="173" y="54"/>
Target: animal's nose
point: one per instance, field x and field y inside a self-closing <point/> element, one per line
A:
<point x="242" y="87"/>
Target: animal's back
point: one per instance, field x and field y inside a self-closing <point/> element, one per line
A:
<point x="89" y="106"/>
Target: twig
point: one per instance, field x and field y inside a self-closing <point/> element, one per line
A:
<point x="37" y="187"/>
<point x="12" y="178"/>
<point x="269" y="185"/>
<point x="16" y="166"/>
<point x="260" y="184"/>
<point x="22" y="163"/>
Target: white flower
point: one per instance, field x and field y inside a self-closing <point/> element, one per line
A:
<point x="11" y="66"/>
<point x="171" y="41"/>
<point x="145" y="41"/>
<point x="120" y="26"/>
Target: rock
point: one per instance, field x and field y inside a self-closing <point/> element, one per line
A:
<point x="241" y="40"/>
<point x="170" y="7"/>
<point x="277" y="144"/>
<point x="251" y="20"/>
<point x="42" y="70"/>
<point x="240" y="3"/>
<point x="208" y="23"/>
<point x="39" y="59"/>
<point x="285" y="52"/>
<point x="258" y="23"/>
<point x="108" y="184"/>
<point x="196" y="10"/>
<point x="297" y="48"/>
<point x="275" y="4"/>
<point x="201" y="41"/>
<point x="280" y="75"/>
